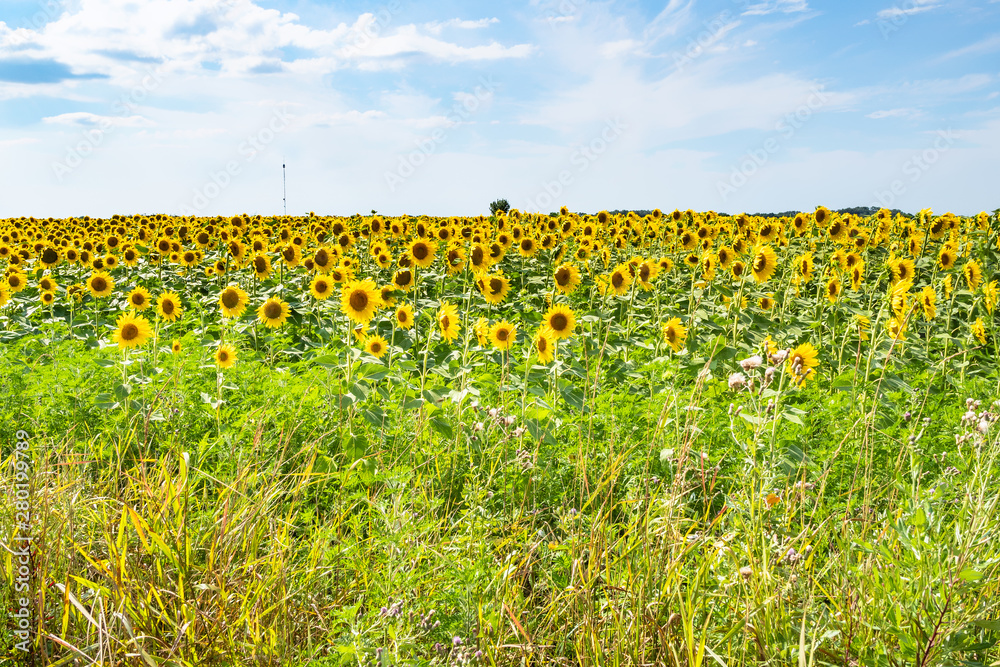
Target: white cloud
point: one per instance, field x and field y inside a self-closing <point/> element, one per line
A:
<point x="18" y="142"/>
<point x="907" y="8"/>
<point x="238" y="38"/>
<point x="775" y="6"/>
<point x="894" y="113"/>
<point x="86" y="119"/>
<point x="987" y="45"/>
<point x="461" y="24"/>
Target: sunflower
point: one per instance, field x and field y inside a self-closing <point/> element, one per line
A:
<point x="482" y="330"/>
<point x="946" y="258"/>
<point x="833" y="289"/>
<point x="49" y="257"/>
<point x="864" y="325"/>
<point x="494" y="288"/>
<point x="422" y="252"/>
<point x="100" y="284"/>
<point x="225" y="356"/>
<point x="896" y="328"/>
<point x="176" y="347"/>
<point x="261" y="264"/>
<point x="273" y="312"/>
<point x="766" y="302"/>
<point x="139" y="298"/>
<point x="360" y="299"/>
<point x="802" y="362"/>
<point x="973" y="274"/>
<point x="503" y="334"/>
<point x="805" y="265"/>
<point x="902" y="270"/>
<point x="978" y="330"/>
<point x="448" y="321"/>
<point x="132" y="331"/>
<point x="4" y="296"/>
<point x="646" y="273"/>
<point x="674" y="333"/>
<point x="403" y="280"/>
<point x="47" y="298"/>
<point x="322" y="259"/>
<point x="404" y="317"/>
<point x="233" y="301"/>
<point x="738" y="270"/>
<point x="47" y="284"/>
<point x="764" y="263"/>
<point x="991" y="293"/>
<point x="567" y="278"/>
<point x="168" y="306"/>
<point x="927" y="301"/>
<point x="560" y="320"/>
<point x="321" y="288"/>
<point x="376" y="346"/>
<point x="620" y="280"/>
<point x="545" y="345"/>
<point x="479" y="258"/>
<point x="387" y="293"/>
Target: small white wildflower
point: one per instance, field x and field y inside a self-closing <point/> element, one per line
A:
<point x="751" y="363"/>
<point x="737" y="381"/>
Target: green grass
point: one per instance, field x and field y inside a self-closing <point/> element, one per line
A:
<point x="321" y="507"/>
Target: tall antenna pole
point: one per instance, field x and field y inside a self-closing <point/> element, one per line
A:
<point x="284" y="188"/>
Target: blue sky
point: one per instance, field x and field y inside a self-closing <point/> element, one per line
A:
<point x="439" y="107"/>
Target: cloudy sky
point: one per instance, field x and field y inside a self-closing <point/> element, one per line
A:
<point x="440" y="106"/>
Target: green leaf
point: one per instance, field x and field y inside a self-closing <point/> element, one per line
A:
<point x="443" y="427"/>
<point x="969" y="574"/>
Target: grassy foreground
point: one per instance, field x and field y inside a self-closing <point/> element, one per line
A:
<point x="619" y="508"/>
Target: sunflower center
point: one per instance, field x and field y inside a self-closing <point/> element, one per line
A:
<point x="445" y="322"/>
<point x="477" y="256"/>
<point x="223" y="356"/>
<point x="496" y="286"/>
<point x="559" y="322"/>
<point x="260" y="264"/>
<point x="230" y="298"/>
<point x="272" y="311"/>
<point x="617" y="279"/>
<point x="359" y="300"/>
<point x="543" y="344"/>
<point x="420" y="251"/>
<point x="138" y="299"/>
<point x="49" y="256"/>
<point x="503" y="335"/>
<point x="99" y="284"/>
<point x="562" y="277"/>
<point x="130" y="331"/>
<point x="402" y="316"/>
<point x="167" y="306"/>
<point x="322" y="287"/>
<point x="321" y="258"/>
<point x="671" y="335"/>
<point x="759" y="263"/>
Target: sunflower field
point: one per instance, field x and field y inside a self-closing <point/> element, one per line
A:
<point x="680" y="438"/>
